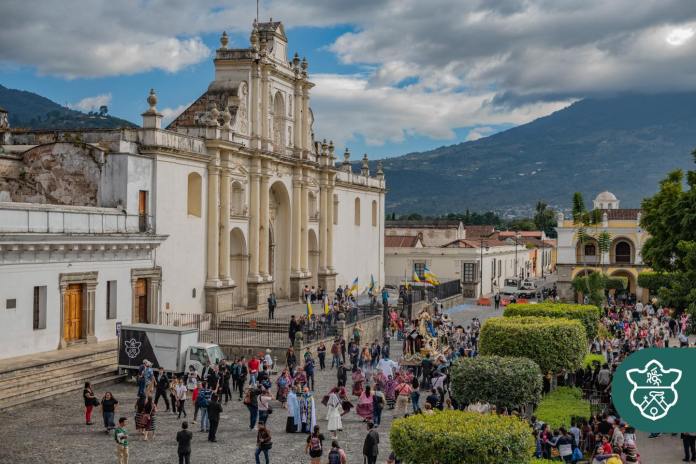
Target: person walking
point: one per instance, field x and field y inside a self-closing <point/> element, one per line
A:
<point x="172" y="394"/>
<point x="214" y="410"/>
<point x="148" y="418"/>
<point x="333" y="414"/>
<point x="263" y="443"/>
<point x="321" y="353"/>
<point x="379" y="401"/>
<point x="183" y="439"/>
<point x="162" y="388"/>
<point x="371" y="444"/>
<point x="108" y="407"/>
<point x="336" y="454"/>
<point x="272" y="303"/>
<point x="293" y="328"/>
<point x="202" y="401"/>
<point x="121" y="437"/>
<point x="251" y="402"/>
<point x="90" y="401"/>
<point x="496" y="301"/>
<point x="181" y="391"/>
<point x="335" y="354"/>
<point x="315" y="445"/>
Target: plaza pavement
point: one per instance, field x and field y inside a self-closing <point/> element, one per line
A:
<point x="53" y="430"/>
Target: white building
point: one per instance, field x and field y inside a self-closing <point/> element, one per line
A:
<point x="233" y="200"/>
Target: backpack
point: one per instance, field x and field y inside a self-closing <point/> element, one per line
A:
<point x="314" y="443"/>
<point x="334" y="457"/>
<point x="202" y="400"/>
<point x="247" y="397"/>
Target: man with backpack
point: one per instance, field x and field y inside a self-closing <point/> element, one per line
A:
<point x="251" y="402"/>
<point x="371" y="444"/>
<point x="337" y="455"/>
<point x="202" y="401"/>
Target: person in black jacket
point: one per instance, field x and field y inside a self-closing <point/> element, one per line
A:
<point x="183" y="438"/>
<point x="371" y="444"/>
<point x="162" y="388"/>
<point x="214" y="410"/>
<point x="293" y="328"/>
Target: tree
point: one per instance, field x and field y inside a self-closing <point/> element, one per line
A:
<point x="586" y="224"/>
<point x="545" y="219"/>
<point x="103" y="110"/>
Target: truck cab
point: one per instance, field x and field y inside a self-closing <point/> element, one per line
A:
<point x="199" y="354"/>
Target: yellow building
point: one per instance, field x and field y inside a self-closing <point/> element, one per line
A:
<point x="624" y="258"/>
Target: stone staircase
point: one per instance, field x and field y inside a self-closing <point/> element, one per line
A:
<point x="30" y="378"/>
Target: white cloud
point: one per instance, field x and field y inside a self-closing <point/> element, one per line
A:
<point x="169" y="114"/>
<point x="679" y="36"/>
<point x="91" y="103"/>
<point x="479" y="133"/>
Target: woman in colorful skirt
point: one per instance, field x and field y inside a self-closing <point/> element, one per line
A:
<point x="284" y="381"/>
<point x="390" y="391"/>
<point x="364" y="408"/>
<point x="358" y="381"/>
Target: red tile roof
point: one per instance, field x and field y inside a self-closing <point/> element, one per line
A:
<point x="400" y="241"/>
<point x="622" y="214"/>
<point x="474" y="243"/>
<point x="522" y="233"/>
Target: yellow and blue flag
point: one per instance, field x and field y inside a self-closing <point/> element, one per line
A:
<point x="429" y="276"/>
<point x="326" y="306"/>
<point x="309" y="309"/>
<point x="415" y="277"/>
<point x="354" y="287"/>
<point x="372" y="283"/>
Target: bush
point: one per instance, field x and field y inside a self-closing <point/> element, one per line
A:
<point x="553" y="343"/>
<point x="454" y="437"/>
<point x="590" y="358"/>
<point x="504" y="381"/>
<point x="563" y="404"/>
<point x="654" y="281"/>
<point x="587" y="314"/>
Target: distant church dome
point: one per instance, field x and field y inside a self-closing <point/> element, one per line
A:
<point x="606" y="200"/>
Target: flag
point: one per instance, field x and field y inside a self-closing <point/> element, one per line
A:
<point x="354" y="287"/>
<point x="415" y="277"/>
<point x="309" y="309"/>
<point x="372" y="282"/>
<point x="326" y="306"/>
<point x="429" y="276"/>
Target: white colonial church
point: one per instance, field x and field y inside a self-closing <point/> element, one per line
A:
<point x="234" y="199"/>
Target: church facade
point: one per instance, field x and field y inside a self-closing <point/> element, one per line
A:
<point x="235" y="199"/>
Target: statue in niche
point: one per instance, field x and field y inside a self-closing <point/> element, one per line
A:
<point x="242" y="112"/>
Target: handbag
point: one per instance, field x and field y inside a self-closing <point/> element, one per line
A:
<point x="266" y="445"/>
<point x="577" y="454"/>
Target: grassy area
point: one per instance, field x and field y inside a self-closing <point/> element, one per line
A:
<point x="561" y="405"/>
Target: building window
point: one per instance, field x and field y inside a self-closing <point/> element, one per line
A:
<point x="374" y="213"/>
<point x="111" y="299"/>
<point x="500" y="267"/>
<point x="40" y="307"/>
<point x="11" y="303"/>
<point x="623" y="252"/>
<point x="194" y="194"/>
<point x="469" y="273"/>
<point x="335" y="209"/>
<point x="590" y="250"/>
<point x="419" y="269"/>
<point x="493" y="269"/>
<point x="357" y="211"/>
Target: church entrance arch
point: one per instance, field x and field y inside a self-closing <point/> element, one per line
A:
<point x="239" y="262"/>
<point x="279" y="239"/>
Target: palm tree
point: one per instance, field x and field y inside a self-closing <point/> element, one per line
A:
<point x="586" y="225"/>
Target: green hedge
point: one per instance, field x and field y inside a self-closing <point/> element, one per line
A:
<point x="561" y="405"/>
<point x="553" y="343"/>
<point x="460" y="437"/>
<point x="590" y="358"/>
<point x="589" y="315"/>
<point x="504" y="381"/>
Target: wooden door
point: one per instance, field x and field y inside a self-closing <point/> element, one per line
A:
<point x="72" y="313"/>
<point x="141" y="295"/>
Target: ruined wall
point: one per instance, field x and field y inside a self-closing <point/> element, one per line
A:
<point x="55" y="173"/>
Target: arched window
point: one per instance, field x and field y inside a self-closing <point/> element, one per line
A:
<point x="623" y="252"/>
<point x="279" y="122"/>
<point x="590" y="250"/>
<point x="374" y="213"/>
<point x="335" y="209"/>
<point x="194" y="194"/>
<point x="357" y="211"/>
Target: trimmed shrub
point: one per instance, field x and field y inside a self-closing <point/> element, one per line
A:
<point x="587" y="314"/>
<point x="591" y="358"/>
<point x="553" y="343"/>
<point x="460" y="437"/>
<point x="559" y="407"/>
<point x="504" y="381"/>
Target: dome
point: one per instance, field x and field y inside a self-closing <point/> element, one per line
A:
<point x="606" y="196"/>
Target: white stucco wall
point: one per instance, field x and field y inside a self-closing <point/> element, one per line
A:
<point x="18" y="282"/>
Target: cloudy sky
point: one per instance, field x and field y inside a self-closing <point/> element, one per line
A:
<point x="393" y="76"/>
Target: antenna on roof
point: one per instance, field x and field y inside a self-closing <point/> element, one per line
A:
<point x="257" y="11"/>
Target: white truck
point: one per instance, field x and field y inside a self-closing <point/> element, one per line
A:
<point x="519" y="288"/>
<point x="174" y="348"/>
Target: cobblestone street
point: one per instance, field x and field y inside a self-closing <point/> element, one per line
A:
<point x="52" y="431"/>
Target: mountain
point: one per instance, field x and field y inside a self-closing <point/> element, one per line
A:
<point x="32" y="111"/>
<point x="625" y="144"/>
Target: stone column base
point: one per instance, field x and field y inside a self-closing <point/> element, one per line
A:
<point x="297" y="284"/>
<point x="257" y="295"/>
<point x="219" y="300"/>
<point x="327" y="281"/>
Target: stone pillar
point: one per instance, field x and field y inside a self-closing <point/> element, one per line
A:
<point x="323" y="215"/>
<point x="265" y="137"/>
<point x="305" y="120"/>
<point x="304" y="231"/>
<point x="254" y="221"/>
<point x="330" y="227"/>
<point x="254" y="106"/>
<point x="296" y="266"/>
<point x="299" y="127"/>
<point x="153" y="304"/>
<point x="263" y="229"/>
<point x="88" y="312"/>
<point x="224" y="255"/>
<point x="213" y="226"/>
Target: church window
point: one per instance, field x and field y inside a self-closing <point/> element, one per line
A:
<point x="357" y="211"/>
<point x="419" y="269"/>
<point x="194" y="194"/>
<point x="374" y="213"/>
<point x="623" y="252"/>
<point x="590" y="250"/>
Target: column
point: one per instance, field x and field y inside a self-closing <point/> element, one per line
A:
<point x="254" y="105"/>
<point x="224" y="257"/>
<point x="304" y="231"/>
<point x="330" y="227"/>
<point x="254" y="221"/>
<point x="299" y="127"/>
<point x="89" y="312"/>
<point x="153" y="292"/>
<point x="213" y="225"/>
<point x="296" y="221"/>
<point x="305" y="119"/>
<point x="263" y="229"/>
<point x="264" y="106"/>
<point x="322" y="223"/>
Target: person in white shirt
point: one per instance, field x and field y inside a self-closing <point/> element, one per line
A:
<point x="181" y="391"/>
<point x="387" y="367"/>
